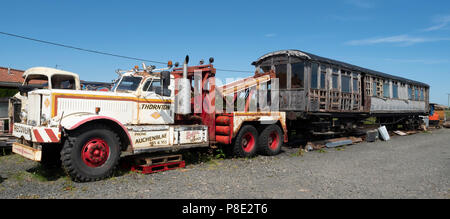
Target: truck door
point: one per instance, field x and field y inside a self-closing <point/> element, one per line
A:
<point x="155" y="103"/>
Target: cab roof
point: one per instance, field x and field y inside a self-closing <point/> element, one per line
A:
<point x="49" y="72"/>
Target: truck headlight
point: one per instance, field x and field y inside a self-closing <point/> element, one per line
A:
<point x="44" y="119"/>
<point x="23" y="115"/>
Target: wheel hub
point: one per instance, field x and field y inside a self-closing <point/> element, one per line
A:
<point x="248" y="142"/>
<point x="273" y="140"/>
<point x="95" y="152"/>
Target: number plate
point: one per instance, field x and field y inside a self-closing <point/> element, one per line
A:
<point x="22" y="130"/>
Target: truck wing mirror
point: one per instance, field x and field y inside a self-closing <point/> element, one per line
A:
<point x="24" y="89"/>
<point x="165" y="78"/>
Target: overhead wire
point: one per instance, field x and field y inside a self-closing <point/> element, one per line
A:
<point x="100" y="52"/>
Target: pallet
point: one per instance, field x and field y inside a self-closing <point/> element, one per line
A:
<point x="158" y="164"/>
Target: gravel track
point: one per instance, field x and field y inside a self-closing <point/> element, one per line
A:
<point x="416" y="166"/>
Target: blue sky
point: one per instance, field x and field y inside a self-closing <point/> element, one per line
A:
<point x="406" y="38"/>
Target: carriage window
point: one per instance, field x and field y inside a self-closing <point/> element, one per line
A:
<point x="334" y="78"/>
<point x="323" y="79"/>
<point x="345" y="83"/>
<point x="265" y="69"/>
<point x="374" y="94"/>
<point x="422" y="97"/>
<point x="355" y="83"/>
<point x="335" y="81"/>
<point x="323" y="76"/>
<point x="314" y="75"/>
<point x="386" y="89"/>
<point x="298" y="74"/>
<point x="395" y="90"/>
<point x="410" y="92"/>
<point x="416" y="93"/>
<point x="281" y="71"/>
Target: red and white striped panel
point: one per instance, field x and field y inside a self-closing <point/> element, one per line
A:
<point x="46" y="135"/>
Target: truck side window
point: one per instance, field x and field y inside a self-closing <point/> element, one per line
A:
<point x="63" y="82"/>
<point x="152" y="86"/>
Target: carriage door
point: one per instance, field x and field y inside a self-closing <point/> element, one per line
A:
<point x="155" y="104"/>
<point x="297" y="74"/>
<point x="281" y="70"/>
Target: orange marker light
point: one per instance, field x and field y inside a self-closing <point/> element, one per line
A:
<point x="97" y="110"/>
<point x="169" y="64"/>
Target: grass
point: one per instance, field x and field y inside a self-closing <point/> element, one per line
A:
<point x="45" y="174"/>
<point x="203" y="155"/>
<point x="322" y="150"/>
<point x="340" y="148"/>
<point x="299" y="153"/>
<point x="447" y="115"/>
<point x="370" y="121"/>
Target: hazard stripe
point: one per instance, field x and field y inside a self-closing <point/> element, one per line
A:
<point x="52" y="135"/>
<point x="37" y="136"/>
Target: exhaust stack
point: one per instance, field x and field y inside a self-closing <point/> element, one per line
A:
<point x="183" y="98"/>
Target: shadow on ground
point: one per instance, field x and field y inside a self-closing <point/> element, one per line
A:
<point x="2" y="179"/>
<point x="47" y="173"/>
<point x="5" y="151"/>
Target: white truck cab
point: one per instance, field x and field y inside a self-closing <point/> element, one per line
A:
<point x="53" y="78"/>
<point x="44" y="78"/>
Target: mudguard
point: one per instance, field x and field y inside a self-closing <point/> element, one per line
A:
<point x="71" y="122"/>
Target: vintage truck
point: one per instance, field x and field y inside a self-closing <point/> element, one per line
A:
<point x="147" y="110"/>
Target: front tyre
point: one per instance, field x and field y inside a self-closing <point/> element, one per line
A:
<point x="91" y="153"/>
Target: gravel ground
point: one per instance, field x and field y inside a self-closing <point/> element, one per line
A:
<point x="416" y="166"/>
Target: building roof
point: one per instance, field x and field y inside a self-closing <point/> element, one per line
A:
<point x="11" y="75"/>
<point x="309" y="56"/>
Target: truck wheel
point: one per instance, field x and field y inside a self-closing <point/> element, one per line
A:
<point x="91" y="153"/>
<point x="270" y="140"/>
<point x="246" y="142"/>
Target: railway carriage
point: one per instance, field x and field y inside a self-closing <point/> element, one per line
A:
<point x="322" y="95"/>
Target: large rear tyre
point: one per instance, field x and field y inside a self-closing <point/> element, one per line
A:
<point x="246" y="142"/>
<point x="270" y="140"/>
<point x="91" y="153"/>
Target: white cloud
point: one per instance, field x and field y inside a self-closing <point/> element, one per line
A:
<point x="270" y="35"/>
<point x="440" y="23"/>
<point x="404" y="40"/>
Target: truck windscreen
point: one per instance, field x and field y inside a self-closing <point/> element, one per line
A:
<point x="129" y="83"/>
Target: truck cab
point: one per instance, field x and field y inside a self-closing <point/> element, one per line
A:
<point x="52" y="78"/>
<point x="42" y="78"/>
